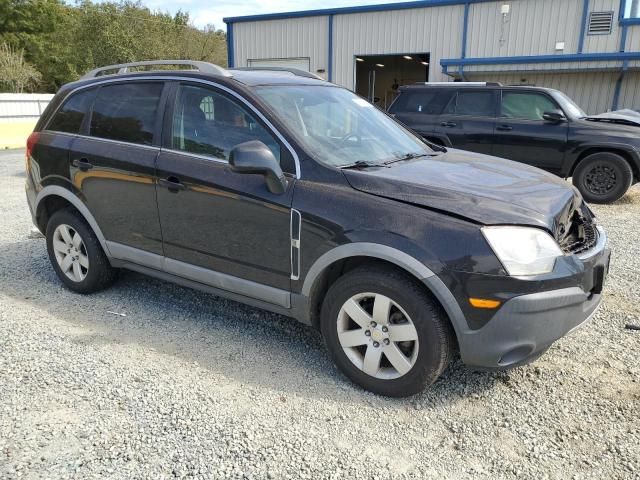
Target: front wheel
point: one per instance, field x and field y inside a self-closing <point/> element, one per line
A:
<point x="385" y="332"/>
<point x="603" y="177"/>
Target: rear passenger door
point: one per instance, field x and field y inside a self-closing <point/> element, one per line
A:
<point x="112" y="165"/>
<point x="468" y="121"/>
<point x="524" y="136"/>
<point x="418" y="108"/>
<point x="222" y="228"/>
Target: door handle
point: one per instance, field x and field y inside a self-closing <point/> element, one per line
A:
<point x="172" y="184"/>
<point x="504" y="128"/>
<point x="82" y="164"/>
<point x="448" y="124"/>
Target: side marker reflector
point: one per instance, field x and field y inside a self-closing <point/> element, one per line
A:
<point x="484" y="303"/>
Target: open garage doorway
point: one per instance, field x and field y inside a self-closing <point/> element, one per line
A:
<point x="379" y="76"/>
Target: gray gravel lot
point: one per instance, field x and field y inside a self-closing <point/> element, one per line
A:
<point x="187" y="384"/>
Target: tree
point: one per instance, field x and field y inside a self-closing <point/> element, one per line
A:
<point x="16" y="75"/>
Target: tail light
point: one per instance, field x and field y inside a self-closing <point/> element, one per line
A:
<point x="31" y="142"/>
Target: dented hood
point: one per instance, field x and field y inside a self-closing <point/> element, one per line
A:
<point x="480" y="188"/>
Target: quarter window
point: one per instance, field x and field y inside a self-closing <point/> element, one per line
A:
<point x="480" y="104"/>
<point x="209" y="123"/>
<point x="528" y="106"/>
<point x="70" y="116"/>
<point x="126" y="112"/>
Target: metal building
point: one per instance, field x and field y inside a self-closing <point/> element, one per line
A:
<point x="590" y="49"/>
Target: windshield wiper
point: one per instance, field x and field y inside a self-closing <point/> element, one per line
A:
<point x="361" y="164"/>
<point x="408" y="156"/>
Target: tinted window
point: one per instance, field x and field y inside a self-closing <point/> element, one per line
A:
<point x="70" y="116"/>
<point x="210" y="123"/>
<point x="430" y="102"/>
<point x="126" y="112"/>
<point x="473" y="103"/>
<point x="529" y="106"/>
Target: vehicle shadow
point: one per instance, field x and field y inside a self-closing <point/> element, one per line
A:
<point x="248" y="345"/>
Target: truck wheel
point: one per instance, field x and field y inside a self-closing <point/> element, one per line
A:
<point x="385" y="332"/>
<point x="603" y="177"/>
<point x="76" y="254"/>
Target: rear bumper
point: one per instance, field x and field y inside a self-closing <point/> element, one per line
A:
<point x="528" y="324"/>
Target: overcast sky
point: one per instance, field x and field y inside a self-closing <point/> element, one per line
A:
<point x="203" y="12"/>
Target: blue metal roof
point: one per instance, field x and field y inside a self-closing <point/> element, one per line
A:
<point x="345" y="10"/>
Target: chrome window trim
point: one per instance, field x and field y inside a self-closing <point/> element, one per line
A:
<point x="214" y="84"/>
<point x="107" y="140"/>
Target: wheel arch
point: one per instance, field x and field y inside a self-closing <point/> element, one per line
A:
<point x="631" y="158"/>
<point x="52" y="198"/>
<point x="344" y="258"/>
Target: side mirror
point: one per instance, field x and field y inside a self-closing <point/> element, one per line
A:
<point x="255" y="157"/>
<point x="554" y="116"/>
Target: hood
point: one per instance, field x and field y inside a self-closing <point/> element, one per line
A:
<point x="480" y="188"/>
<point x="619" y="117"/>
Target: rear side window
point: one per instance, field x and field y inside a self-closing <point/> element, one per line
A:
<point x="126" y="112"/>
<point x="528" y="106"/>
<point x="70" y="116"/>
<point x="431" y="102"/>
<point x="479" y="103"/>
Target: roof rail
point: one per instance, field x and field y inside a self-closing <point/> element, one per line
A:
<point x="477" y="84"/>
<point x="122" y="68"/>
<point x="294" y="71"/>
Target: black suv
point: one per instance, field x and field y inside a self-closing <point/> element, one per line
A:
<point x="297" y="196"/>
<point x="537" y="126"/>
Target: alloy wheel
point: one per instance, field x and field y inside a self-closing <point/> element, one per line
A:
<point x="377" y="336"/>
<point x="600" y="180"/>
<point x="70" y="253"/>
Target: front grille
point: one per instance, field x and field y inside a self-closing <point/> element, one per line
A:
<point x="580" y="236"/>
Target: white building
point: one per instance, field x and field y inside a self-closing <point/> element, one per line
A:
<point x="589" y="49"/>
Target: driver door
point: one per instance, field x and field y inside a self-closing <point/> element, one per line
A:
<point x="220" y="227"/>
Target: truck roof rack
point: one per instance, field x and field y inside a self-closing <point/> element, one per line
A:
<point x="122" y="68"/>
<point x="294" y="71"/>
<point x="472" y="84"/>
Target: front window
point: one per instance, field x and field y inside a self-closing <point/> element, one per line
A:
<point x="527" y="106"/>
<point x="339" y="127"/>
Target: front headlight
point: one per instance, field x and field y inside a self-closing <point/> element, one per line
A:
<point x="523" y="250"/>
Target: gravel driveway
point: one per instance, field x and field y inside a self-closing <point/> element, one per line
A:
<point x="190" y="385"/>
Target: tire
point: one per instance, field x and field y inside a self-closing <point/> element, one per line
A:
<point x="89" y="269"/>
<point x="424" y="358"/>
<point x="603" y="177"/>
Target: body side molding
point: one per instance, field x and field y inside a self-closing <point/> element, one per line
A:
<point x="78" y="204"/>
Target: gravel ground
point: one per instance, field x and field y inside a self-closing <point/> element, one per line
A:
<point x="190" y="385"/>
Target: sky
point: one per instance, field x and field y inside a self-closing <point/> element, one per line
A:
<point x="204" y="12"/>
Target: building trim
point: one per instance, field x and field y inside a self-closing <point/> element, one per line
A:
<point x="330" y="49"/>
<point x="465" y="28"/>
<point x="346" y="10"/>
<point x="230" y="52"/>
<point x="583" y="27"/>
<point x="582" y="57"/>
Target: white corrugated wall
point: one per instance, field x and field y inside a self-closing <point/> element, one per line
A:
<point x="436" y="30"/>
<point x="305" y="37"/>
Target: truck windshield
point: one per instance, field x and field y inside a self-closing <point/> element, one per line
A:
<point x="339" y="127"/>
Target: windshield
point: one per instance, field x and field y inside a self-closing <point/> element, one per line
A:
<point x="570" y="107"/>
<point x="339" y="127"/>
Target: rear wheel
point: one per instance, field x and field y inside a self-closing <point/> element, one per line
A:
<point x="603" y="177"/>
<point x="384" y="332"/>
<point x="76" y="254"/>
